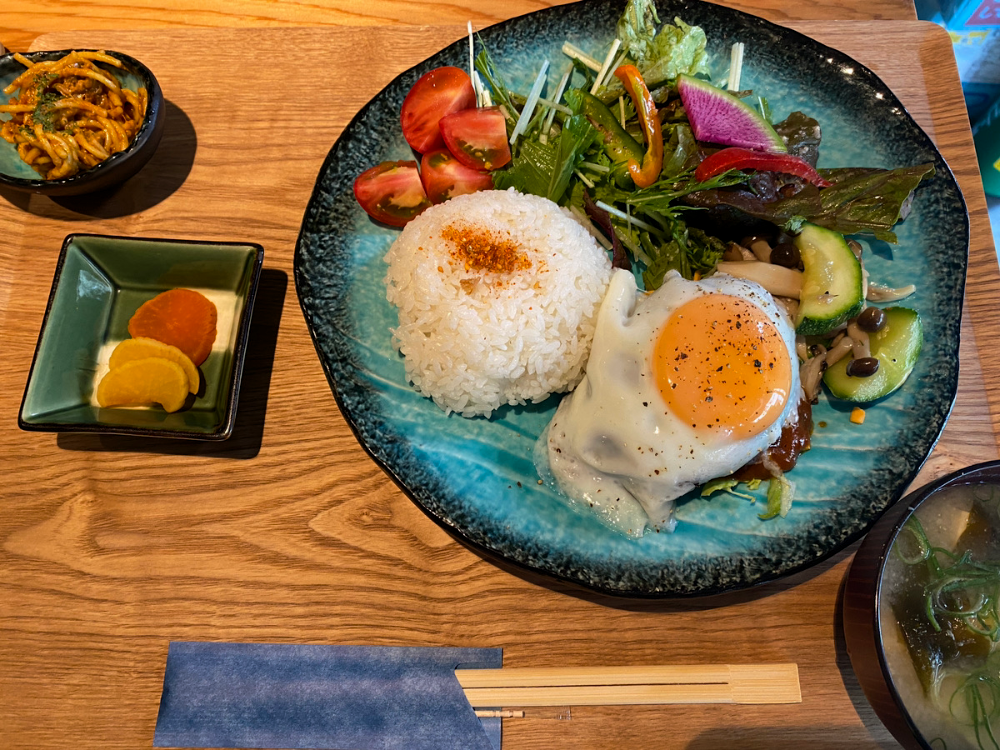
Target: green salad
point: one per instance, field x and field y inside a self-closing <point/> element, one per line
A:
<point x="575" y="150"/>
<point x="672" y="169"/>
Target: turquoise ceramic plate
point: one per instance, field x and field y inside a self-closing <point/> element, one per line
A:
<point x="476" y="477"/>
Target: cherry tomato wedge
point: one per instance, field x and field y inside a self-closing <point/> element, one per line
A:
<point x="391" y="192"/>
<point x="477" y="137"/>
<point x="444" y="177"/>
<point x="436" y="94"/>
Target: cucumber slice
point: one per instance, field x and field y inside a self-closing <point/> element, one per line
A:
<point x="896" y="347"/>
<point x="832" y="290"/>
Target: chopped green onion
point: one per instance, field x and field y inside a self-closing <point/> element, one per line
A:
<point x="577" y="54"/>
<point x="607" y="64"/>
<point x="476" y="85"/>
<point x="530" y="102"/>
<point x="735" y="67"/>
<point x="555" y="100"/>
<point x="485" y="100"/>
<point x="554" y="106"/>
<point x="617" y="63"/>
<point x="627" y="217"/>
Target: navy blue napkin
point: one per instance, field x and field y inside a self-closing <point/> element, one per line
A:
<point x="322" y="697"/>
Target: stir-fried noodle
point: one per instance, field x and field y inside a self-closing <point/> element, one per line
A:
<point x="70" y="114"/>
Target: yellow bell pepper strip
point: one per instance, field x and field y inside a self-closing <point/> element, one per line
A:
<point x="648" y="172"/>
<point x="742" y="158"/>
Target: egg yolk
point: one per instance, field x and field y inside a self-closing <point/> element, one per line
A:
<point x="722" y="366"/>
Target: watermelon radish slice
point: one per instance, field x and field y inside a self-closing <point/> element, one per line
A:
<point x="717" y="116"/>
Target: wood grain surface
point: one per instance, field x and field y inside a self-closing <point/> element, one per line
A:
<point x="23" y="20"/>
<point x="288" y="533"/>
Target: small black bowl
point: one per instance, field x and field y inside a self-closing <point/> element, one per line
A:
<point x="17" y="175"/>
<point x="863" y="601"/>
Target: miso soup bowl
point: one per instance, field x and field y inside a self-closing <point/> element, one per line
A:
<point x="879" y="673"/>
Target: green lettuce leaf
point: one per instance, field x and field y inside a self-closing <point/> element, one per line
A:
<point x="802" y="135"/>
<point x="575" y="139"/>
<point x="860" y="201"/>
<point x="729" y="485"/>
<point x="530" y="170"/>
<point x="545" y="169"/>
<point x="723" y="484"/>
<point x="676" y="49"/>
<point x="779" y="498"/>
<point x="659" y="56"/>
<point x="690" y="251"/>
<point x="680" y="152"/>
<point x="637" y="28"/>
<point x="869" y="201"/>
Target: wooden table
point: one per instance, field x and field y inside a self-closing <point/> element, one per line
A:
<point x="23" y="20"/>
<point x="288" y="533"/>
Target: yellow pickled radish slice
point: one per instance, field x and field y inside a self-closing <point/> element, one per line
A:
<point x="143" y="348"/>
<point x="145" y="381"/>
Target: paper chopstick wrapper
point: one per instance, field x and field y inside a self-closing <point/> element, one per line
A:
<point x="384" y="698"/>
<point x="324" y="697"/>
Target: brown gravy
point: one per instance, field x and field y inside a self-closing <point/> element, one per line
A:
<point x="794" y="441"/>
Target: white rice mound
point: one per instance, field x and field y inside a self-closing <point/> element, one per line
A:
<point x="474" y="340"/>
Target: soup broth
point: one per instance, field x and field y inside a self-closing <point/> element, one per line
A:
<point x="940" y="595"/>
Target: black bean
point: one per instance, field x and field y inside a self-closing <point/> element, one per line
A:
<point x="786" y="254"/>
<point x="864" y="367"/>
<point x="871" y="320"/>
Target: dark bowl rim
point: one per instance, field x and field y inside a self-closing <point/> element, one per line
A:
<point x="905" y="508"/>
<point x="225" y="429"/>
<point x="154" y="113"/>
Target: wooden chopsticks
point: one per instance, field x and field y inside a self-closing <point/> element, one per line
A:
<point x="607" y="686"/>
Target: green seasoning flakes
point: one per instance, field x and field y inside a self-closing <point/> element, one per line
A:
<point x="45" y="98"/>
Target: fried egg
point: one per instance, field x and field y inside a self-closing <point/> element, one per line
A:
<point x="683" y="385"/>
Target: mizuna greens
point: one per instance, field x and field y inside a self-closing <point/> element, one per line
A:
<point x="575" y="151"/>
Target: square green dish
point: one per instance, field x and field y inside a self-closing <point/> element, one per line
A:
<point x="100" y="281"/>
